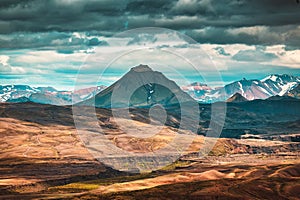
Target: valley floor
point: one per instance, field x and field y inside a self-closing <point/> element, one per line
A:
<point x="268" y="179"/>
<point x="42" y="157"/>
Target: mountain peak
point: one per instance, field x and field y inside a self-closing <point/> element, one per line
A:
<point x="145" y="87"/>
<point x="141" y="68"/>
<point x="236" y="98"/>
<point x="280" y="77"/>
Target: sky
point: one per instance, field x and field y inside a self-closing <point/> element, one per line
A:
<point x="63" y="43"/>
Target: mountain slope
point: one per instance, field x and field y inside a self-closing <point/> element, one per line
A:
<point x="280" y="84"/>
<point x="18" y="100"/>
<point x="294" y="92"/>
<point x="250" y="89"/>
<point x="48" y="99"/>
<point x="140" y="87"/>
<point x="236" y="98"/>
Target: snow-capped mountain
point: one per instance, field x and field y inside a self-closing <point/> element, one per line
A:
<point x="45" y="95"/>
<point x="271" y="85"/>
<point x="197" y="90"/>
<point x="15" y="91"/>
<point x="281" y="84"/>
<point x="250" y="89"/>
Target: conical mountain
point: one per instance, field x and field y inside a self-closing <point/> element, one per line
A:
<point x="237" y="98"/>
<point x="140" y="87"/>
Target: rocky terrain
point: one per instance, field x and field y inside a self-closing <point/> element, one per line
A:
<point x="42" y="157"/>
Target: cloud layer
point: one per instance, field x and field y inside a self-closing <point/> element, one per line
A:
<point x="47" y="41"/>
<point x="264" y="22"/>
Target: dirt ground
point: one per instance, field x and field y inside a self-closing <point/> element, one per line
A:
<point x="42" y="157"/>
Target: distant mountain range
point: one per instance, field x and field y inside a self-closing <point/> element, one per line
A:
<point x="250" y="89"/>
<point x="148" y="92"/>
<point x="45" y="95"/>
<point x="141" y="87"/>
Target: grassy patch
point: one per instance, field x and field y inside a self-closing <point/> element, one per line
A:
<point x="94" y="184"/>
<point x="78" y="186"/>
<point x="221" y="149"/>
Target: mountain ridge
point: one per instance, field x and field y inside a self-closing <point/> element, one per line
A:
<point x="22" y="93"/>
<point x="269" y="86"/>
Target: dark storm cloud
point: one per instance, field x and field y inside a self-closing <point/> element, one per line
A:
<point x="62" y="42"/>
<point x="151" y="7"/>
<point x="255" y="35"/>
<point x="83" y="15"/>
<point x="59" y="15"/>
<point x="109" y="17"/>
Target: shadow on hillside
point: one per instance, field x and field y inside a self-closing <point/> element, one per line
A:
<point x="48" y="172"/>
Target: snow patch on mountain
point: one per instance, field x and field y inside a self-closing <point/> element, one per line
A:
<point x="264" y="90"/>
<point x="241" y="88"/>
<point x="271" y="85"/>
<point x="12" y="93"/>
<point x="286" y="88"/>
